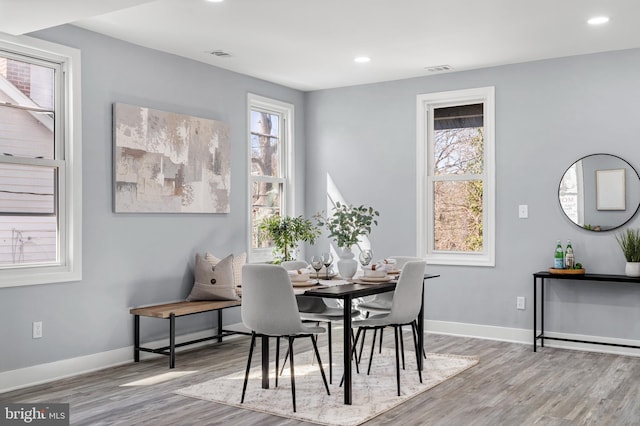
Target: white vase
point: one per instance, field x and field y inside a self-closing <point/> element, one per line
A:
<point x="632" y="269"/>
<point x="347" y="265"/>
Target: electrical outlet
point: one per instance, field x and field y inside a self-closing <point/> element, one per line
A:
<point x="520" y="302"/>
<point x="523" y="211"/>
<point x="37" y="329"/>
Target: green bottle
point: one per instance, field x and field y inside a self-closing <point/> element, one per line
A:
<point x="569" y="257"/>
<point x="558" y="261"/>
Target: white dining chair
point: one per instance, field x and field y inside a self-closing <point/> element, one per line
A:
<point x="381" y="304"/>
<point x="269" y="308"/>
<point x="405" y="308"/>
<point x="315" y="309"/>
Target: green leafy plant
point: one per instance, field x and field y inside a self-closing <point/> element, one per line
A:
<point x="287" y="232"/>
<point x="629" y="242"/>
<point x="347" y="223"/>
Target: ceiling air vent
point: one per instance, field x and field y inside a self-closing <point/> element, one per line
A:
<point x="438" y="68"/>
<point x="220" y="53"/>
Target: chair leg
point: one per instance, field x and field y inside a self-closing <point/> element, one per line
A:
<point x="401" y="345"/>
<point x="284" y="361"/>
<point x="277" y="357"/>
<point x="353" y="345"/>
<point x="373" y="346"/>
<point x="324" y="378"/>
<point x="353" y="351"/>
<point x="417" y="358"/>
<point x="293" y="379"/>
<point x="380" y="350"/>
<point x="395" y="330"/>
<point x="414" y="328"/>
<point x="330" y="353"/>
<point x="246" y="374"/>
<point x="362" y="342"/>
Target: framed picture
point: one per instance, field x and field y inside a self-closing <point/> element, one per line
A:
<point x="611" y="193"/>
<point x="166" y="162"/>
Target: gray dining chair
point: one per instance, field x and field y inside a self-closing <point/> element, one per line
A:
<point x="405" y="308"/>
<point x="381" y="304"/>
<point x="315" y="309"/>
<point x="269" y="309"/>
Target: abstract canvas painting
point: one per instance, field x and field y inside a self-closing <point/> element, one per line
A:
<point x="166" y="162"/>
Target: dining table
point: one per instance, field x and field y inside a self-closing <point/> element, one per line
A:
<point x="348" y="291"/>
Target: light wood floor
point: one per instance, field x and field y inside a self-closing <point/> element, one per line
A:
<point x="510" y="386"/>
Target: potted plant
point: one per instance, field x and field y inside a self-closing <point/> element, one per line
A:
<point x="287" y="232"/>
<point x="629" y="242"/>
<point x="346" y="225"/>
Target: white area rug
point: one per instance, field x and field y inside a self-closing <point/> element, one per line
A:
<point x="372" y="395"/>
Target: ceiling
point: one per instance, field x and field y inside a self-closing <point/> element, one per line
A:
<point x="311" y="44"/>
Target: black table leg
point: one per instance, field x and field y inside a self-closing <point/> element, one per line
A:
<point x="265" y="362"/>
<point x="136" y="338"/>
<point x="421" y="331"/>
<point x="172" y="340"/>
<point x="542" y="312"/>
<point x="535" y="313"/>
<point x="347" y="348"/>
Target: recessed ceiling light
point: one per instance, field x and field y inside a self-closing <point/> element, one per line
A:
<point x="598" y="20"/>
<point x="362" y="59"/>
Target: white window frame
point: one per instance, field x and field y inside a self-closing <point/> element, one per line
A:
<point x="426" y="103"/>
<point x="69" y="159"/>
<point x="286" y="162"/>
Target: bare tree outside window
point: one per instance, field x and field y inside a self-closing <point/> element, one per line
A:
<point x="266" y="192"/>
<point x="458" y="187"/>
<point x="271" y="173"/>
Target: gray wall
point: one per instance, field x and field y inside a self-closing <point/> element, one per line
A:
<point x="135" y="259"/>
<point x="548" y="115"/>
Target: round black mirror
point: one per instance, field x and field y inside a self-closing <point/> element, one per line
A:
<point x="600" y="192"/>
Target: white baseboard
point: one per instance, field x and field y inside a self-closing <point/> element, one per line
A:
<point x="43" y="373"/>
<point x="525" y="336"/>
<point x="503" y="334"/>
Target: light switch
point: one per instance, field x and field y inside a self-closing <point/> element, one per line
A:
<point x="523" y="211"/>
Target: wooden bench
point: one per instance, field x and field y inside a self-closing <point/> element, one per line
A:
<point x="171" y="311"/>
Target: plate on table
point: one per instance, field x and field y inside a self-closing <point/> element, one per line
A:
<point x="394" y="272"/>
<point x="375" y="280"/>
<point x="307" y="283"/>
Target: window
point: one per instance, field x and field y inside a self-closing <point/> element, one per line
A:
<point x="456" y="211"/>
<point x="270" y="168"/>
<point x="40" y="170"/>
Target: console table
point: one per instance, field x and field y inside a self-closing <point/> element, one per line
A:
<point x="542" y="276"/>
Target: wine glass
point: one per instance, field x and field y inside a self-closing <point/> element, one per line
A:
<point x="316" y="263"/>
<point x="327" y="259"/>
<point x="366" y="256"/>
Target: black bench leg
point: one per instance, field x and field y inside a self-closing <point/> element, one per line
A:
<point x="219" y="325"/>
<point x="172" y="340"/>
<point x="136" y="338"/>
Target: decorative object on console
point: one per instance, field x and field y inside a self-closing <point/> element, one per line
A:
<point x="346" y="225"/>
<point x="213" y="282"/>
<point x="629" y="241"/>
<point x="166" y="162"/>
